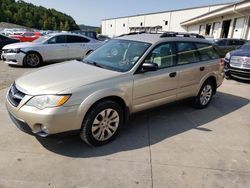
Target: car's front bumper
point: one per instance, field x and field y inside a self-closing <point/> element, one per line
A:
<point x="13" y="58"/>
<point x="44" y="122"/>
<point x="239" y="73"/>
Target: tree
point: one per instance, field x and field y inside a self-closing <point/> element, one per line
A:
<point x="29" y="15"/>
<point x="66" y="26"/>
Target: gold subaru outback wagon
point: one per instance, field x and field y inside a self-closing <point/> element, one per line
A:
<point x="130" y="73"/>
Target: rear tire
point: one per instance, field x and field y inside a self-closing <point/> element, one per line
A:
<point x="32" y="59"/>
<point x="102" y="123"/>
<point x="205" y="95"/>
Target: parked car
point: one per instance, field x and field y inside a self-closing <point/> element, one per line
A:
<point x="94" y="97"/>
<point x="103" y="37"/>
<point x="6" y="40"/>
<point x="26" y="36"/>
<point x="49" y="48"/>
<point x="225" y="45"/>
<point x="237" y="63"/>
<point x="90" y="34"/>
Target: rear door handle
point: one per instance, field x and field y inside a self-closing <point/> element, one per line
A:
<point x="202" y="68"/>
<point x="172" y="74"/>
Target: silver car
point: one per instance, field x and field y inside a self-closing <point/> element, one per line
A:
<point x="128" y="74"/>
<point x="49" y="48"/>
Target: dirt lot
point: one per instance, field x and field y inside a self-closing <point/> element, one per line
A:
<point x="172" y="146"/>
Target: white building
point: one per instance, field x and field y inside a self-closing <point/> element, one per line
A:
<point x="229" y="20"/>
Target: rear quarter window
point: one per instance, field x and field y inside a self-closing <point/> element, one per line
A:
<point x="206" y="51"/>
<point x="77" y="39"/>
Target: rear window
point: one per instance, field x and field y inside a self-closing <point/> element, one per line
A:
<point x="233" y="42"/>
<point x="28" y="34"/>
<point x="206" y="51"/>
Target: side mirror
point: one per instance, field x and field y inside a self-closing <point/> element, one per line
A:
<point x="149" y="66"/>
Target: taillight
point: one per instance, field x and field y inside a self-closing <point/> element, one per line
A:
<point x="222" y="62"/>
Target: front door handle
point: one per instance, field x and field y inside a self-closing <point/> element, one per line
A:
<point x="172" y="74"/>
<point x="202" y="68"/>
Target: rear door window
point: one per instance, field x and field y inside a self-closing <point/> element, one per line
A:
<point x="206" y="51"/>
<point x="57" y="39"/>
<point x="186" y="53"/>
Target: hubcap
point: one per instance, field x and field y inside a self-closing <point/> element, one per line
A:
<point x="206" y="94"/>
<point x="32" y="60"/>
<point x="105" y="124"/>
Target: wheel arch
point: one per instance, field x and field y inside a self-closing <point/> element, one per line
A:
<point x="119" y="100"/>
<point x="33" y="51"/>
<point x="212" y="78"/>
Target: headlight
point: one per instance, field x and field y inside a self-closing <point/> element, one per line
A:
<point x="16" y="50"/>
<point x="227" y="57"/>
<point x="48" y="101"/>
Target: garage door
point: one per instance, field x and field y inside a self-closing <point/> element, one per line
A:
<point x="238" y="28"/>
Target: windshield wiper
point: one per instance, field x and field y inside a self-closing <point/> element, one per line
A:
<point x="94" y="63"/>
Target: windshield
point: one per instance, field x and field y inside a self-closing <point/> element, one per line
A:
<point x="246" y="46"/>
<point x="42" y="39"/>
<point x="118" y="55"/>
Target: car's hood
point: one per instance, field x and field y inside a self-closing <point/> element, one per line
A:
<point x="240" y="52"/>
<point x="20" y="45"/>
<point x="57" y="78"/>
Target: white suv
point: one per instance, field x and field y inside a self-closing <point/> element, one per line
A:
<point x="49" y="48"/>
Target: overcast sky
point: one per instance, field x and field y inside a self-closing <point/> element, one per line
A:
<point x="91" y="12"/>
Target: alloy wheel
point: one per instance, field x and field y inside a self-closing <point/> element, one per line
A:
<point x="105" y="124"/>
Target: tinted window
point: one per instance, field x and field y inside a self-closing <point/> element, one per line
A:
<point x="233" y="42"/>
<point x="241" y="42"/>
<point x="76" y="39"/>
<point x="57" y="40"/>
<point x="163" y="55"/>
<point x="28" y="34"/>
<point x="221" y="43"/>
<point x="2" y="37"/>
<point x="206" y="51"/>
<point x="246" y="46"/>
<point x="186" y="53"/>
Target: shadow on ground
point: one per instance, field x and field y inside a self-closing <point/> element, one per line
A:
<point x="150" y="127"/>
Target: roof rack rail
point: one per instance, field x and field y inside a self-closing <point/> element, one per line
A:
<point x="141" y="32"/>
<point x="181" y="34"/>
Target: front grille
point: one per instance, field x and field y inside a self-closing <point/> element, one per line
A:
<point x="15" y="96"/>
<point x="240" y="62"/>
<point x="4" y="51"/>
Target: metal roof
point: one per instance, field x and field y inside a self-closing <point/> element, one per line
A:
<point x="173" y="10"/>
<point x="232" y="8"/>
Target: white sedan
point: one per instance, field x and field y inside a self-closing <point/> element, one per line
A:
<point x="49" y="48"/>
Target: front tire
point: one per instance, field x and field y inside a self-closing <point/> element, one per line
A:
<point x="32" y="59"/>
<point x="205" y="95"/>
<point x="102" y="123"/>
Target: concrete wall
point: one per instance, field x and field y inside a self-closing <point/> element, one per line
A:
<point x="173" y="18"/>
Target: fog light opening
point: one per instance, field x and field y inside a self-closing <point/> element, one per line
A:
<point x="44" y="129"/>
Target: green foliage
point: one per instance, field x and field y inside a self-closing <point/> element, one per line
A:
<point x="98" y="30"/>
<point x="29" y="15"/>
